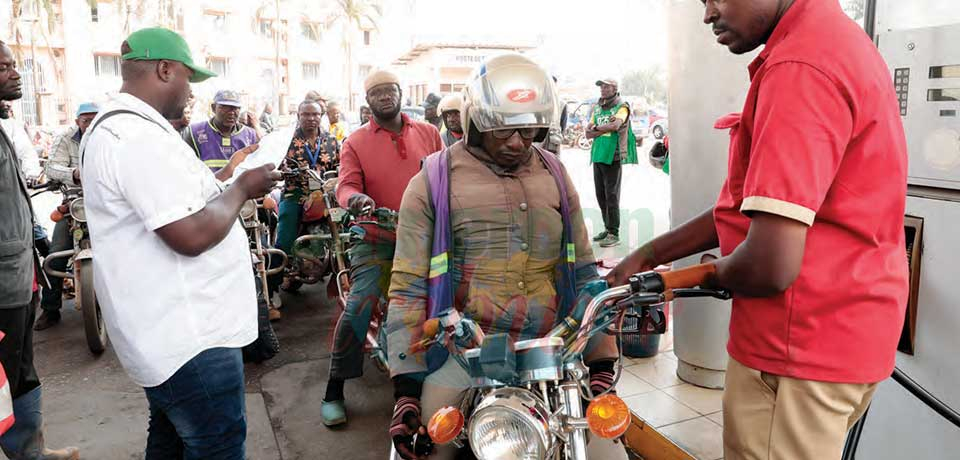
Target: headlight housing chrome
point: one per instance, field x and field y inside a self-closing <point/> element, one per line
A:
<point x="77" y="211"/>
<point x="248" y="209"/>
<point x="510" y="424"/>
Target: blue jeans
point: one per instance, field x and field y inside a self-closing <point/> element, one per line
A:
<point x="199" y="412"/>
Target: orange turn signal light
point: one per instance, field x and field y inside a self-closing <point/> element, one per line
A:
<point x="56" y="215"/>
<point x="445" y="425"/>
<point x="608" y="416"/>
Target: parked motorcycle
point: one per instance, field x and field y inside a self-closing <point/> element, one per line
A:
<point x="80" y="267"/>
<point x="261" y="250"/>
<point x="526" y="398"/>
<point x="575" y="136"/>
<point x="322" y="247"/>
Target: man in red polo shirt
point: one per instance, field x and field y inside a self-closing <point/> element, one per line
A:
<point x="810" y="226"/>
<point x="376" y="163"/>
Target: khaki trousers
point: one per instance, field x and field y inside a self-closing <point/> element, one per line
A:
<point x="780" y="418"/>
<point x="447" y="387"/>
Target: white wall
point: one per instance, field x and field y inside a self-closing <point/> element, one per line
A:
<point x="706" y="82"/>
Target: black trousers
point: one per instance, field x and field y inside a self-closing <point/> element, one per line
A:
<point x="606" y="180"/>
<point x="16" y="348"/>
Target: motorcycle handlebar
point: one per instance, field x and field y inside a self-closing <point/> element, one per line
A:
<point x="688" y="277"/>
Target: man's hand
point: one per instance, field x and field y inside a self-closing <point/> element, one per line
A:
<point x="241" y="155"/>
<point x="258" y="182"/>
<point x="359" y="201"/>
<point x="76" y="176"/>
<point x="638" y="261"/>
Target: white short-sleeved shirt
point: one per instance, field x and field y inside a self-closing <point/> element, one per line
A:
<point x="161" y="308"/>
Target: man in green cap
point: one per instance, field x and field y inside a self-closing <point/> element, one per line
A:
<point x="173" y="265"/>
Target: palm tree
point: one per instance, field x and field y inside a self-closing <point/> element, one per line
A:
<point x="354" y="15"/>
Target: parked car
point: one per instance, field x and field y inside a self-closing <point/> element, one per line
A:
<point x="649" y="122"/>
<point x="414" y="112"/>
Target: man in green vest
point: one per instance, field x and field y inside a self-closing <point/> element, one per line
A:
<point x="613" y="145"/>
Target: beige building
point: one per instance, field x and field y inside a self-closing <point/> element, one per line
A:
<point x="440" y="67"/>
<point x="71" y="53"/>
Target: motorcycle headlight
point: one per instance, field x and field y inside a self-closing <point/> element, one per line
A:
<point x="510" y="424"/>
<point x="77" y="211"/>
<point x="248" y="209"/>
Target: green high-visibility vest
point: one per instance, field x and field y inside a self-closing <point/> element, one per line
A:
<point x="606" y="145"/>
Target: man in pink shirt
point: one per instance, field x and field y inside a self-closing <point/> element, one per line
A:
<point x="376" y="163"/>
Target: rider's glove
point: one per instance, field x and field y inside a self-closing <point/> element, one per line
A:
<point x="602" y="376"/>
<point x="358" y="201"/>
<point x="405" y="424"/>
<point x="406" y="419"/>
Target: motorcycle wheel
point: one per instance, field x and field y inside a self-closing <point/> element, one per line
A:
<point x="658" y="132"/>
<point x="583" y="143"/>
<point x="93" y="325"/>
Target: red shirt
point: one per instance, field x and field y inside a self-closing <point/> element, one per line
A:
<point x="821" y="141"/>
<point x="379" y="163"/>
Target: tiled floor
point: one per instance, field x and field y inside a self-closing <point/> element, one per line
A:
<point x="689" y="415"/>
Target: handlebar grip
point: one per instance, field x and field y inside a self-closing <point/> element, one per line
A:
<point x="688" y="277"/>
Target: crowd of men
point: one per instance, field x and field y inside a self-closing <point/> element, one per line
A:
<point x="819" y="286"/>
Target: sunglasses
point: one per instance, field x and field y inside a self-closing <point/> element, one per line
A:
<point x="526" y="133"/>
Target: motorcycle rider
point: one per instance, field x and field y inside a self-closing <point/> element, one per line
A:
<point x="507" y="218"/>
<point x="430" y="113"/>
<point x="216" y="140"/>
<point x="377" y="163"/>
<point x="18" y="296"/>
<point x="63" y="167"/>
<point x="449" y="109"/>
<point x="310" y="148"/>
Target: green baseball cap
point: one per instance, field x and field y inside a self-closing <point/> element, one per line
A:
<point x="156" y="43"/>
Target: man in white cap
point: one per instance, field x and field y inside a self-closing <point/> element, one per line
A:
<point x="376" y="163"/>
<point x="449" y="109"/>
<point x="613" y="146"/>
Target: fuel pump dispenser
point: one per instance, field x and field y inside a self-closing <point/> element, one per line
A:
<point x="915" y="413"/>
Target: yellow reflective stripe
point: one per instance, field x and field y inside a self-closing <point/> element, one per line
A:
<point x="216" y="163"/>
<point x="438" y="265"/>
<point x="571" y="252"/>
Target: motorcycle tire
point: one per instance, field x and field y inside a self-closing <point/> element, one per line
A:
<point x="583" y="143"/>
<point x="93" y="326"/>
<point x="292" y="286"/>
<point x="267" y="344"/>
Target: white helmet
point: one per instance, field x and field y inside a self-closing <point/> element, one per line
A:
<point x="509" y="91"/>
<point x="450" y="102"/>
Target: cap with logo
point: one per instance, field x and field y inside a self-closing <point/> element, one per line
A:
<point x="608" y="81"/>
<point x="227" y="97"/>
<point x="158" y="43"/>
<point x="87" y="107"/>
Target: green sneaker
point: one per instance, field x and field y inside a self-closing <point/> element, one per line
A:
<point x="601" y="236"/>
<point x="333" y="412"/>
<point x="610" y="241"/>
